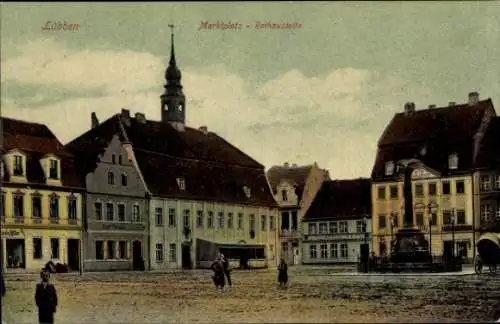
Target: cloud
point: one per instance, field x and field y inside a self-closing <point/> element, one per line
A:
<point x="334" y="119"/>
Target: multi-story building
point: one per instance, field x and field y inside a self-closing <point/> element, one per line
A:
<point x="487" y="180"/>
<point x="116" y="227"/>
<point x="41" y="202"/>
<point x="338" y="222"/>
<point x="441" y="146"/>
<point x="294" y="187"/>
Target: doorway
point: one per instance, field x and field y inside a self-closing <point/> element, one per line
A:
<point x="295" y="249"/>
<point x="74" y="254"/>
<point x="462" y="250"/>
<point x="137" y="261"/>
<point x="186" y="256"/>
<point x="16" y="257"/>
<point x="447" y="250"/>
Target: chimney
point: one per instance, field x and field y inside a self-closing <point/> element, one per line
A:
<point x="473" y="98"/>
<point x="140" y="117"/>
<point x="409" y="108"/>
<point x="432" y="106"/>
<point x="203" y="129"/>
<point x="452" y="103"/>
<point x="125" y="116"/>
<point x="286" y="165"/>
<point x="94" y="122"/>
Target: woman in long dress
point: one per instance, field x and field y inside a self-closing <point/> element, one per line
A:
<point x="218" y="277"/>
<point x="282" y="273"/>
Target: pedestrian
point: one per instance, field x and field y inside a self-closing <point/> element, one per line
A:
<point x="218" y="277"/>
<point x="2" y="283"/>
<point x="46" y="299"/>
<point x="282" y="273"/>
<point x="227" y="271"/>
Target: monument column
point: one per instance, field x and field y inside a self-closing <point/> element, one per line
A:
<point x="408" y="197"/>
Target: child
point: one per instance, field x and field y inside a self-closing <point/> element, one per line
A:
<point x="282" y="273"/>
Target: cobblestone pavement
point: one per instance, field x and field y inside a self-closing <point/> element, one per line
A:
<point x="314" y="295"/>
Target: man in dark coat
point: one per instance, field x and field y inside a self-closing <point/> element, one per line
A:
<point x="46" y="299"/>
<point x="218" y="277"/>
<point x="227" y="272"/>
<point x="282" y="273"/>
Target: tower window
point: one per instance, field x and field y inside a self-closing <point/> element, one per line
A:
<point x="165" y="107"/>
<point x="179" y="107"/>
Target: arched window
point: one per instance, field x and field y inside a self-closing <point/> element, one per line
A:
<point x="111" y="178"/>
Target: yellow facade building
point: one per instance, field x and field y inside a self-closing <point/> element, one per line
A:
<point x="41" y="200"/>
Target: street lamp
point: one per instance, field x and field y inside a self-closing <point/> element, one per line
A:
<point x="392" y="221"/>
<point x="430" y="206"/>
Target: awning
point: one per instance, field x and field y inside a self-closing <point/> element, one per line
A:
<point x="234" y="245"/>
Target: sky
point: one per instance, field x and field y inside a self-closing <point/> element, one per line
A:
<point x="319" y="93"/>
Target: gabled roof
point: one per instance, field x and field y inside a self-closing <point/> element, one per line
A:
<point x="36" y="141"/>
<point x="296" y="175"/>
<point x="441" y="131"/>
<point x="341" y="200"/>
<point x="489" y="151"/>
<point x="212" y="168"/>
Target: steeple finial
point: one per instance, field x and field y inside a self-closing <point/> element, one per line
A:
<point x="172" y="52"/>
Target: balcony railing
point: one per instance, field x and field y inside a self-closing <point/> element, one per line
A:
<point x="36" y="220"/>
<point x="72" y="221"/>
<point x="19" y="220"/>
<point x="54" y="220"/>
<point x="289" y="233"/>
<point x="338" y="236"/>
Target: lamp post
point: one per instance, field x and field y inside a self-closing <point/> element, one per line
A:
<point x="392" y="221"/>
<point x="365" y="221"/>
<point x="430" y="206"/>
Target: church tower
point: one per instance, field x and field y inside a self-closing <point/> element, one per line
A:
<point x="173" y="101"/>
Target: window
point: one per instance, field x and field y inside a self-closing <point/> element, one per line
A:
<point x="334" y="252"/>
<point x="110" y="212"/>
<point x="119" y="159"/>
<point x="241" y="219"/>
<point x="124" y="179"/>
<point x="54" y="248"/>
<point x="54" y="207"/>
<point x="159" y="253"/>
<point x="485" y="183"/>
<point x="419" y="218"/>
<point x="252" y="222"/>
<point x="37" y="248"/>
<point x="171" y="218"/>
<point x="432" y="189"/>
<point x="381" y="221"/>
<point x="284" y="195"/>
<point x="210" y="219"/>
<point x="18" y="205"/>
<point x="433" y="219"/>
<point x="122" y="250"/>
<point x="313" y="254"/>
<point x="2" y="203"/>
<point x="323" y="248"/>
<point x="332" y="227"/>
<point x="121" y="212"/>
<point x="220" y="220"/>
<point x="72" y="215"/>
<point x="99" y="250"/>
<point x="453" y="161"/>
<point x="460" y="186"/>
<point x="343" y="228"/>
<point x="360" y="227"/>
<point x="381" y="193"/>
<point x="419" y="190"/>
<point x="186" y="219"/>
<point x="111" y="250"/>
<point x="173" y="252"/>
<point x="98" y="210"/>
<point x="446" y="217"/>
<point x="323" y="228"/>
<point x="54" y="169"/>
<point x="389" y="168"/>
<point x="263" y="223"/>
<point x="18" y="165"/>
<point x="486" y="211"/>
<point x="230" y="220"/>
<point x="272" y="225"/>
<point x="36" y="205"/>
<point x="394" y="192"/>
<point x="113" y="158"/>
<point x="460" y="217"/>
<point x="344" y="252"/>
<point x="497" y="182"/>
<point x="446" y="187"/>
<point x="111" y="178"/>
<point x="136" y="213"/>
<point x="181" y="183"/>
<point x="199" y="219"/>
<point x="498" y="212"/>
<point x="312" y="229"/>
<point x="159" y="216"/>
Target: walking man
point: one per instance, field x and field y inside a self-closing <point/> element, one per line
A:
<point x="227" y="271"/>
<point x="46" y="299"/>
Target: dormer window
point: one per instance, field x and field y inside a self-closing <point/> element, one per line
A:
<point x="247" y="191"/>
<point x="181" y="183"/>
<point x="389" y="168"/>
<point x="284" y="195"/>
<point x="453" y="161"/>
<point x="54" y="169"/>
<point x="18" y="165"/>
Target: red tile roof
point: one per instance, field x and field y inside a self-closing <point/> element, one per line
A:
<point x="442" y="131"/>
<point x="341" y="200"/>
<point x="37" y="140"/>
<point x="213" y="169"/>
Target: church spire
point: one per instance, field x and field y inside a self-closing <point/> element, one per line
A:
<point x="172" y="51"/>
<point x="173" y="74"/>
